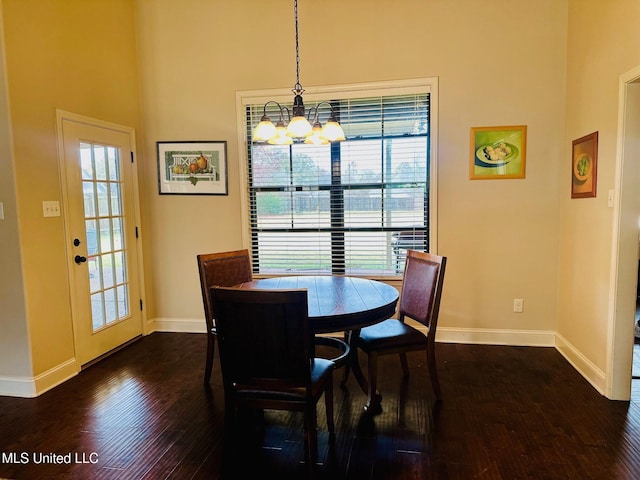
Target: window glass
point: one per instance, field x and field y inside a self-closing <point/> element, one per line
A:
<point x="349" y="207"/>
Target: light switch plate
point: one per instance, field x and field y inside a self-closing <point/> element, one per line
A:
<point x="50" y="208"/>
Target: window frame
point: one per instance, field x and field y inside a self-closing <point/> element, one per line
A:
<point x="320" y="93"/>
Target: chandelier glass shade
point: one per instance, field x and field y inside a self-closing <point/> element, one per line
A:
<point x="298" y="124"/>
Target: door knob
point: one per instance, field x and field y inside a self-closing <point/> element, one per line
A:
<point x="80" y="259"/>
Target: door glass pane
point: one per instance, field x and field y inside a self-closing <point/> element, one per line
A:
<point x="115" y="198"/>
<point x="118" y="258"/>
<point x="107" y="270"/>
<point x="97" y="310"/>
<point x="110" y="304"/>
<point x="105" y="235"/>
<point x="102" y="189"/>
<point x="89" y="198"/>
<point x="99" y="162"/>
<point x="117" y="233"/>
<point x="86" y="162"/>
<point x="105" y="238"/>
<point x="95" y="273"/>
<point x="114" y="167"/>
<point x="123" y="307"/>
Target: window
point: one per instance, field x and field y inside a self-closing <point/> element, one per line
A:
<point x="352" y="207"/>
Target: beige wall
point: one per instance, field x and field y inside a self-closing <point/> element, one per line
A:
<point x="78" y="56"/>
<point x="594" y="66"/>
<point x="492" y="69"/>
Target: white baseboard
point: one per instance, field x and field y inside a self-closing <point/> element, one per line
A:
<point x="532" y="338"/>
<point x="485" y="336"/>
<point x="179" y="325"/>
<point x="582" y="364"/>
<point x="17" y="387"/>
<point x="30" y="387"/>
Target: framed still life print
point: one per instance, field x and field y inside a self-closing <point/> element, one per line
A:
<point x="192" y="168"/>
<point x="498" y="152"/>
<point x="584" y="166"/>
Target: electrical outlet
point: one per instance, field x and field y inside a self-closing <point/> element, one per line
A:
<point x="50" y="209"/>
<point x="518" y="305"/>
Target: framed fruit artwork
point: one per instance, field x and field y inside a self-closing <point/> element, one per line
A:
<point x="498" y="152"/>
<point x="192" y="168"/>
<point x="584" y="166"/>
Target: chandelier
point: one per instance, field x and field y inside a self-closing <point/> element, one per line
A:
<point x="298" y="125"/>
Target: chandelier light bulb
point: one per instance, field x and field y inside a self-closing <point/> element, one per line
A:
<point x="299" y="126"/>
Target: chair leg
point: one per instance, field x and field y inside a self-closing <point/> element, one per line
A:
<point x="433" y="372"/>
<point x="373" y="398"/>
<point x="328" y="402"/>
<point x="347" y="365"/>
<point x="311" y="435"/>
<point x="208" y="366"/>
<point x="405" y="365"/>
<point x="354" y="362"/>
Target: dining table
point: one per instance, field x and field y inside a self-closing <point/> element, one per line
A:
<point x="339" y="303"/>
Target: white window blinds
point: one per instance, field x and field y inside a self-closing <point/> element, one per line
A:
<point x="351" y="207"/>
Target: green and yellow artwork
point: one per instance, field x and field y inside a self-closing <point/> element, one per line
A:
<point x="498" y="152"/>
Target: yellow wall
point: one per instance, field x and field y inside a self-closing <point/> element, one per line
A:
<point x="78" y="56"/>
<point x="15" y="354"/>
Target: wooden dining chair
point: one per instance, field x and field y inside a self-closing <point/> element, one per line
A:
<point x="267" y="357"/>
<point x="419" y="300"/>
<point x="219" y="269"/>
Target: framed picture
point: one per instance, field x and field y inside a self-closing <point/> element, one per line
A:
<point x="192" y="168"/>
<point x="498" y="152"/>
<point x="584" y="166"/>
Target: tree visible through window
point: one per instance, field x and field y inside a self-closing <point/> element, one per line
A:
<point x="350" y="207"/>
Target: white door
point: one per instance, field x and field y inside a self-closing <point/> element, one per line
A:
<point x="99" y="198"/>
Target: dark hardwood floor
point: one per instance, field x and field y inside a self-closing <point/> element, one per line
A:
<point x="143" y="413"/>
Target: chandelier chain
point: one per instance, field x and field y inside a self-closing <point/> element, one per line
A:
<point x="297" y="88"/>
<point x="299" y="121"/>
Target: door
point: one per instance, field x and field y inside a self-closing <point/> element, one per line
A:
<point x="100" y="208"/>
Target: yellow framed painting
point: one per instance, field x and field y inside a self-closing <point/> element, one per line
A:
<point x="498" y="152"/>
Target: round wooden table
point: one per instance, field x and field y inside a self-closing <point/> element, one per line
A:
<point x="338" y="303"/>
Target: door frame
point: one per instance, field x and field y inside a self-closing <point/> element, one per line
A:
<point x="624" y="251"/>
<point x="61" y="116"/>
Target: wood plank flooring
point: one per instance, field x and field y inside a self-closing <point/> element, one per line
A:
<point x="143" y="413"/>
